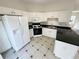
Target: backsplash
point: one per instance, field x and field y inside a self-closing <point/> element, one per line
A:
<point x="64" y="24"/>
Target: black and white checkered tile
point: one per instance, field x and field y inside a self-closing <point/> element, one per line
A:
<point x="39" y="48"/>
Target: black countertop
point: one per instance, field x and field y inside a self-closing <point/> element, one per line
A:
<point x="49" y="26"/>
<point x="68" y="36"/>
<point x="54" y="26"/>
<point x="64" y="34"/>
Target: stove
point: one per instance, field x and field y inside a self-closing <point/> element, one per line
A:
<point x="37" y="29"/>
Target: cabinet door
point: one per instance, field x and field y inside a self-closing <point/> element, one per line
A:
<point x="65" y="50"/>
<point x="50" y="32"/>
<point x="44" y="31"/>
<point x="4" y="42"/>
<point x="17" y="30"/>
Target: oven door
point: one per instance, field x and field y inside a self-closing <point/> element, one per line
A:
<point x="37" y="31"/>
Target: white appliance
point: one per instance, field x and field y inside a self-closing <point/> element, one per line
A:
<point x="17" y="29"/>
<point x="4" y="42"/>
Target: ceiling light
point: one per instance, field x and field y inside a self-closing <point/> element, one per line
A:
<point x="38" y="1"/>
<point x="75" y="11"/>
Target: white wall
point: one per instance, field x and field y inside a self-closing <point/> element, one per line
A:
<point x="76" y="25"/>
<point x="4" y="10"/>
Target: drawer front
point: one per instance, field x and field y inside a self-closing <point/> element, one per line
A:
<point x="50" y="32"/>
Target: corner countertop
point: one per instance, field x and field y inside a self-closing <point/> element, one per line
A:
<point x="54" y="26"/>
<point x="64" y="34"/>
<point x="68" y="36"/>
<point x="48" y="26"/>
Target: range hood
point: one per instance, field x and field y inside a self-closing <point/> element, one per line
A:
<point x="52" y="21"/>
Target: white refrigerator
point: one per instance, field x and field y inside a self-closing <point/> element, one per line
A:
<point x="17" y="30"/>
<point x="4" y="42"/>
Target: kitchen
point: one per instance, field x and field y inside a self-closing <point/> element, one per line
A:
<point x="39" y="33"/>
<point x="51" y="28"/>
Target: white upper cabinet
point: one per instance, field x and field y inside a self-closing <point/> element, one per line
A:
<point x="36" y="17"/>
<point x="4" y="42"/>
<point x="17" y="29"/>
<point x="63" y="16"/>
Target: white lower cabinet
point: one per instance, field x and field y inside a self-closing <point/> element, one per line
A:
<point x="49" y="32"/>
<point x="64" y="50"/>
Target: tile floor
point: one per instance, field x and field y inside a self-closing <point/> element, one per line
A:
<point x="39" y="48"/>
<point x="77" y="55"/>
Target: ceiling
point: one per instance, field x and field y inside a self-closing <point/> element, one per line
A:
<point x="41" y="5"/>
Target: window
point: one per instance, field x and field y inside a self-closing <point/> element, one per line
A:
<point x="72" y="20"/>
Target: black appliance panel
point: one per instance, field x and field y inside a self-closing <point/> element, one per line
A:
<point x="37" y="31"/>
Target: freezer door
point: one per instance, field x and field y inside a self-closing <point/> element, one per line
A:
<point x="4" y="42"/>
